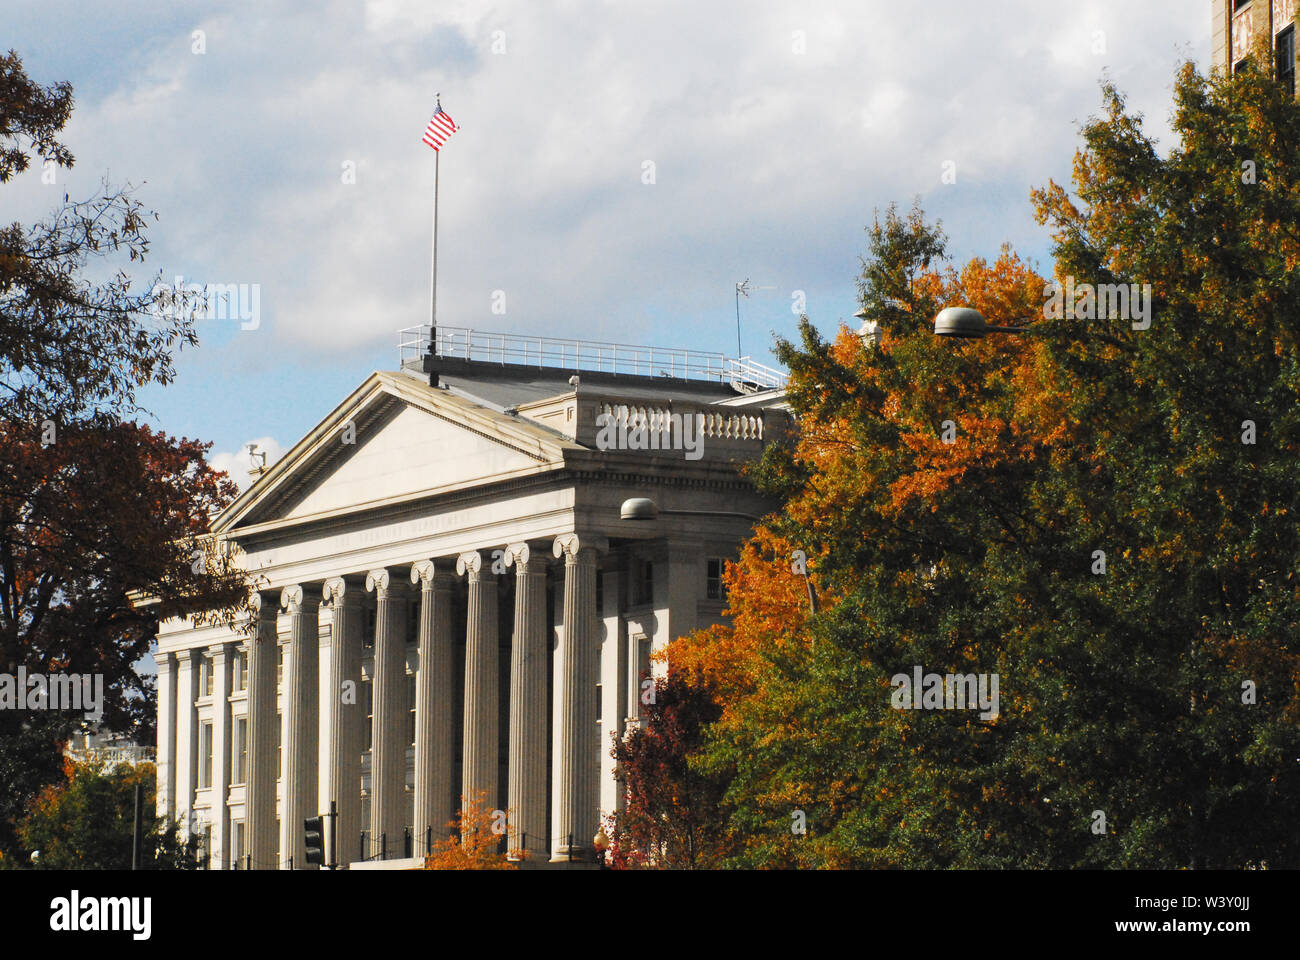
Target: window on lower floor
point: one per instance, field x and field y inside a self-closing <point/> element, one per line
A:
<point x="239" y="749"/>
<point x="205" y="756"/>
<point x="713" y="586"/>
<point x="1286" y="59"/>
<point x="239" y="849"/>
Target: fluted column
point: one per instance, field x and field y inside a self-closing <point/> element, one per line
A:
<point x="187" y="735"/>
<point x="301" y="685"/>
<point x="479" y="751"/>
<point x="526" y="770"/>
<point x="387" y="742"/>
<point x="343" y="718"/>
<point x="434" y="723"/>
<point x="166" y="752"/>
<point x="577" y="817"/>
<point x="263" y="729"/>
<point x="220" y="852"/>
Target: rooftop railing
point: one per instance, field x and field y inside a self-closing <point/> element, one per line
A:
<point x="463" y="343"/>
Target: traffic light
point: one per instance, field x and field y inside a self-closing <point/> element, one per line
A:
<point x="315" y="830"/>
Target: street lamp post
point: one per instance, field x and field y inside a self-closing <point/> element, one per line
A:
<point x="967" y="323"/>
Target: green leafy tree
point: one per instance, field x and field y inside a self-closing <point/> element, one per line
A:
<point x="1102" y="513"/>
<point x="88" y="823"/>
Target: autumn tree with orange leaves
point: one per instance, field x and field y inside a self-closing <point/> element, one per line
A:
<point x="1100" y="512"/>
<point x="475" y="842"/>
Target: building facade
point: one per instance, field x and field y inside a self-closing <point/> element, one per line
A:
<point x="1245" y="31"/>
<point x="455" y="601"/>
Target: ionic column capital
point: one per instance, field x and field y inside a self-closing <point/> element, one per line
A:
<point x="264" y="604"/>
<point x="337" y="590"/>
<point x="431" y="575"/>
<point x="471" y="562"/>
<point x="577" y="550"/>
<point x="525" y="558"/>
<point x="294" y="598"/>
<point x="383" y="583"/>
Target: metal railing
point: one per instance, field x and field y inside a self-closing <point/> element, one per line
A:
<point x="464" y="343"/>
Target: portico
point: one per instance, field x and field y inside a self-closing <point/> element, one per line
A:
<point x="449" y="608"/>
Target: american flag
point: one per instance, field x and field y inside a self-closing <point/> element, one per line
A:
<point x="440" y="129"/>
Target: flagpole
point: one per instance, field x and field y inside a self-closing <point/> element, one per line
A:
<point x="433" y="281"/>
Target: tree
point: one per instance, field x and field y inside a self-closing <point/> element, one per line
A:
<point x="1080" y="512"/>
<point x="88" y="823"/>
<point x="672" y="818"/>
<point x="474" y="843"/>
<point x="96" y="510"/>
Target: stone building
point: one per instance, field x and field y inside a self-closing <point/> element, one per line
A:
<point x="459" y="577"/>
<point x="1242" y="29"/>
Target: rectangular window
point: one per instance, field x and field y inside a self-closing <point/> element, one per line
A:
<point x="368" y="634"/>
<point x="239" y="842"/>
<point x="279" y="745"/>
<point x="207" y="844"/>
<point x="410" y="700"/>
<point x="1286" y="59"/>
<point x="205" y="756"/>
<point x="205" y="674"/>
<point x="713" y="588"/>
<point x="643" y="589"/>
<point x="240" y="749"/>
<point x="241" y="670"/>
<point x="279" y="665"/>
<point x="368" y="693"/>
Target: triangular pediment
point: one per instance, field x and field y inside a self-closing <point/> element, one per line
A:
<point x="395" y="439"/>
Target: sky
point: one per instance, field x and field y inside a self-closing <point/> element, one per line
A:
<point x="619" y="169"/>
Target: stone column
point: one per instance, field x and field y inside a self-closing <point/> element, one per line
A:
<point x="434" y="724"/>
<point x="165" y="799"/>
<point x="577" y="818"/>
<point x="301" y="687"/>
<point x="613" y="680"/>
<point x="187" y="736"/>
<point x="263" y="731"/>
<point x="526" y="770"/>
<point x="479" y="751"/>
<point x="342" y="719"/>
<point x="221" y="658"/>
<point x="388" y="741"/>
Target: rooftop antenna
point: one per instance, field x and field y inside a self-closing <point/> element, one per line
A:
<point x="741" y="288"/>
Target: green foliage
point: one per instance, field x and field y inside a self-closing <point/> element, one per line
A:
<point x="88" y="823"/>
<point x="1120" y="692"/>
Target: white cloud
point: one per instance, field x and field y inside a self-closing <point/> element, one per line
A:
<point x="765" y="158"/>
